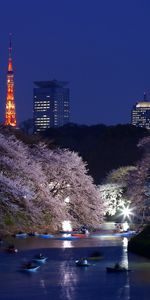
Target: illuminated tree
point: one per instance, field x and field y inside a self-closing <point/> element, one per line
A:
<point x="113" y="191"/>
<point x="112" y="194"/>
<point x="139" y="184"/>
<point x="35" y="183"/>
<point x="67" y="178"/>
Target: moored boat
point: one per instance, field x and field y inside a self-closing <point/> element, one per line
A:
<point x="68" y="238"/>
<point x="46" y="235"/>
<point x="21" y="234"/>
<point x="127" y="233"/>
<point x="80" y="235"/>
<point x="33" y="234"/>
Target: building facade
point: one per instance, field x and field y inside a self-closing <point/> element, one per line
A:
<point x="51" y="105"/>
<point x="140" y="115"/>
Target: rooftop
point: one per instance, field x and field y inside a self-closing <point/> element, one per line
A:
<point x="143" y="104"/>
<point x="51" y="83"/>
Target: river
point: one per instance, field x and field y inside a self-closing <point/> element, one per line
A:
<point x="60" y="279"/>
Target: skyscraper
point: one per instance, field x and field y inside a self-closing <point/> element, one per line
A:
<point x="141" y="113"/>
<point x="51" y="107"/>
<point x="10" y="112"/>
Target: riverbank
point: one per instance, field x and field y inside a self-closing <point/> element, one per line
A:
<point x="140" y="244"/>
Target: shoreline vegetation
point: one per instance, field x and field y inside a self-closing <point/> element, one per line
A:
<point x="140" y="244"/>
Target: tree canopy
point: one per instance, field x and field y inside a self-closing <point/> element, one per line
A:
<point x="35" y="182"/>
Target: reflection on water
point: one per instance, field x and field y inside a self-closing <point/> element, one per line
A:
<point x="125" y="290"/>
<point x="68" y="281"/>
<point x="67" y="244"/>
<point x="124" y="259"/>
<point x="60" y="279"/>
<point x="42" y="284"/>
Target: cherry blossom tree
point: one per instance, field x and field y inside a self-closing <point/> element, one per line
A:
<point x="113" y="191"/>
<point x="36" y="181"/>
<point x="67" y="178"/>
<point x="139" y="184"/>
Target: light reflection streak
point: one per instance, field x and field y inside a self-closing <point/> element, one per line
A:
<point x="42" y="284"/>
<point x="68" y="281"/>
<point x="125" y="291"/>
<point x="124" y="260"/>
<point x="67" y="244"/>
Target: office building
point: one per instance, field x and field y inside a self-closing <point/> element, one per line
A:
<point x="51" y="105"/>
<point x="141" y="113"/>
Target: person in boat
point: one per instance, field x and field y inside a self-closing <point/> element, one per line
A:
<point x="83" y="261"/>
<point x="84" y="230"/>
<point x="117" y="266"/>
<point x="39" y="256"/>
<point x="11" y="248"/>
<point x="28" y="265"/>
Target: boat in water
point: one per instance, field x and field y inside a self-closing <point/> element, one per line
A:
<point x="30" y="267"/>
<point x="46" y="235"/>
<point x="68" y="238"/>
<point x="40" y="258"/>
<point x="82" y="262"/>
<point x="80" y="235"/>
<point x="33" y="234"/>
<point x="95" y="256"/>
<point x="128" y="233"/>
<point x="117" y="269"/>
<point x="11" y="249"/>
<point x="21" y="234"/>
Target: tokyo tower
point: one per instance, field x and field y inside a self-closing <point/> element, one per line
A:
<point x="10" y="112"/>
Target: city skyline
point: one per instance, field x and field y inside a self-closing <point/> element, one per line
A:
<point x="101" y="48"/>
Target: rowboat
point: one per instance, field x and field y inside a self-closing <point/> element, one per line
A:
<point x="29" y="267"/>
<point x="82" y="263"/>
<point x="67" y="238"/>
<point x="80" y="235"/>
<point x="33" y="234"/>
<point x="46" y="235"/>
<point x="40" y="258"/>
<point x="117" y="270"/>
<point x="21" y="235"/>
<point x="11" y="249"/>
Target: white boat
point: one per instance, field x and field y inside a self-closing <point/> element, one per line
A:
<point x="29" y="267"/>
<point x="82" y="263"/>
<point x="21" y="235"/>
<point x="40" y="258"/>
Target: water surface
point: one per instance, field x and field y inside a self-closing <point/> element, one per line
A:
<point x="59" y="278"/>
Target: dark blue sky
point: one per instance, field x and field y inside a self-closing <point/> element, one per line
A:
<point x="102" y="47"/>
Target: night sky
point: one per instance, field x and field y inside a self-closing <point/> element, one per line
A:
<point x="102" y="47"/>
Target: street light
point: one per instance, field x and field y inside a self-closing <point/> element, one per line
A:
<point x="127" y="212"/>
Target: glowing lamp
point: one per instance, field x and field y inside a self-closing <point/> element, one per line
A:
<point x="127" y="212"/>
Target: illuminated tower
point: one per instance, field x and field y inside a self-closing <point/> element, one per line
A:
<point x="10" y="113"/>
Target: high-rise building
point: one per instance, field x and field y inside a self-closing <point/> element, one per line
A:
<point x="10" y="112"/>
<point x="51" y="105"/>
<point x="141" y="113"/>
